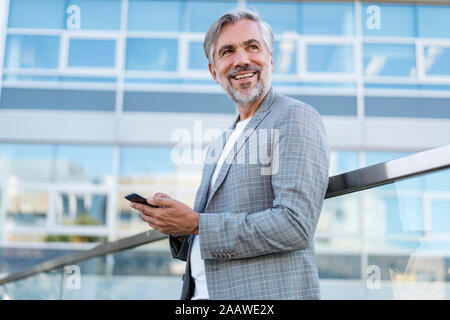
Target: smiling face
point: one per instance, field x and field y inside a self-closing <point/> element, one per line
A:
<point x="242" y="62"/>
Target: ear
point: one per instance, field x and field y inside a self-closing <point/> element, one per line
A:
<point x="271" y="61"/>
<point x="213" y="72"/>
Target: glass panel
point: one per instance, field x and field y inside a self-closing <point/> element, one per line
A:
<point x="31" y="52"/>
<point x="36" y="14"/>
<point x="90" y="164"/>
<point x="199" y="15"/>
<point x="437" y="60"/>
<point x="151" y="54"/>
<point x="154" y="15"/>
<point x="433" y="21"/>
<point x="389" y="20"/>
<point x="405" y="236"/>
<point x="25" y="163"/>
<point x="59" y="99"/>
<point x="76" y="208"/>
<point x="94" y="14"/>
<point x="389" y="60"/>
<point x="330" y="58"/>
<point x="27" y="208"/>
<point x="80" y="53"/>
<point x="147" y="272"/>
<point x="326" y="18"/>
<point x="42" y="286"/>
<point x="340" y="216"/>
<point x="285" y="57"/>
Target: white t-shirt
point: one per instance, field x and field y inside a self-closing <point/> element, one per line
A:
<point x="197" y="263"/>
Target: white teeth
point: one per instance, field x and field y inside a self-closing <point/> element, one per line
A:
<point x="246" y="75"/>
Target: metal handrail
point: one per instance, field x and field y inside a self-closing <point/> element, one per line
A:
<point x="357" y="180"/>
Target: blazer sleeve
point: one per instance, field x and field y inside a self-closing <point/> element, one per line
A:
<point x="299" y="183"/>
<point x="179" y="250"/>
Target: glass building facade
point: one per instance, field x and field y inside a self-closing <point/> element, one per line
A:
<point x="95" y="95"/>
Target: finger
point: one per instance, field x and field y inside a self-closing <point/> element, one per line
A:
<point x="145" y="209"/>
<point x="161" y="202"/>
<point x="162" y="195"/>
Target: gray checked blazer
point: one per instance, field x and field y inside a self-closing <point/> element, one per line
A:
<point x="257" y="223"/>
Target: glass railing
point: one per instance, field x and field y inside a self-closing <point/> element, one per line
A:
<point x="383" y="234"/>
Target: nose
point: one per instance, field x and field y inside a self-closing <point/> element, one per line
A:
<point x="242" y="58"/>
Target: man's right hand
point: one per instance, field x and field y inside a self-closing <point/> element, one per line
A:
<point x="163" y="195"/>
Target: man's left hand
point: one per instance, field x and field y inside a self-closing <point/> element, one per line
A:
<point x="174" y="217"/>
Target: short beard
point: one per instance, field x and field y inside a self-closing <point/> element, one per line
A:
<point x="238" y="96"/>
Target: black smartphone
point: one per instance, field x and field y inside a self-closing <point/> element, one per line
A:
<point x="134" y="197"/>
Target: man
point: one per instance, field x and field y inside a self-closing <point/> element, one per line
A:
<point x="250" y="235"/>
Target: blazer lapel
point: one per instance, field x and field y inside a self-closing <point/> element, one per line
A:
<point x="259" y="115"/>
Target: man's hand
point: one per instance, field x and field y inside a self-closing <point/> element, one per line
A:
<point x="174" y="217"/>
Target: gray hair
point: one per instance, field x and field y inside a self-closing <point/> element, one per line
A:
<point x="232" y="17"/>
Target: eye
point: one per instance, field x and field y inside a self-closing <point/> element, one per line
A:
<point x="227" y="51"/>
<point x="254" y="47"/>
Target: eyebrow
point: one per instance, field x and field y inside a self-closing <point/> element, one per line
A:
<point x="231" y="46"/>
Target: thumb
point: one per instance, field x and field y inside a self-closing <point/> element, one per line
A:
<point x="162" y="195"/>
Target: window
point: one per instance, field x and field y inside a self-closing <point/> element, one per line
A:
<point x="389" y="60"/>
<point x="285" y="56"/>
<point x="197" y="58"/>
<point x="151" y="54"/>
<point x="437" y="60"/>
<point x="31" y="52"/>
<point x="25" y="163"/>
<point x="82" y="163"/>
<point x="154" y="15"/>
<point x="389" y="20"/>
<point x="330" y="58"/>
<point x="433" y="21"/>
<point x="326" y="18"/>
<point x="47" y="14"/>
<point x="81" y="53"/>
<point x="200" y="14"/>
<point x="74" y="208"/>
<point x="281" y="16"/>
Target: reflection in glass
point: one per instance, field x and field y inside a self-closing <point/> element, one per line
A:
<point x="330" y="58"/>
<point x="151" y="54"/>
<point x="437" y="60"/>
<point x="31" y="52"/>
<point x="75" y="208"/>
<point x="389" y="60"/>
<point x="80" y="53"/>
<point x="154" y="15"/>
<point x="27" y="208"/>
